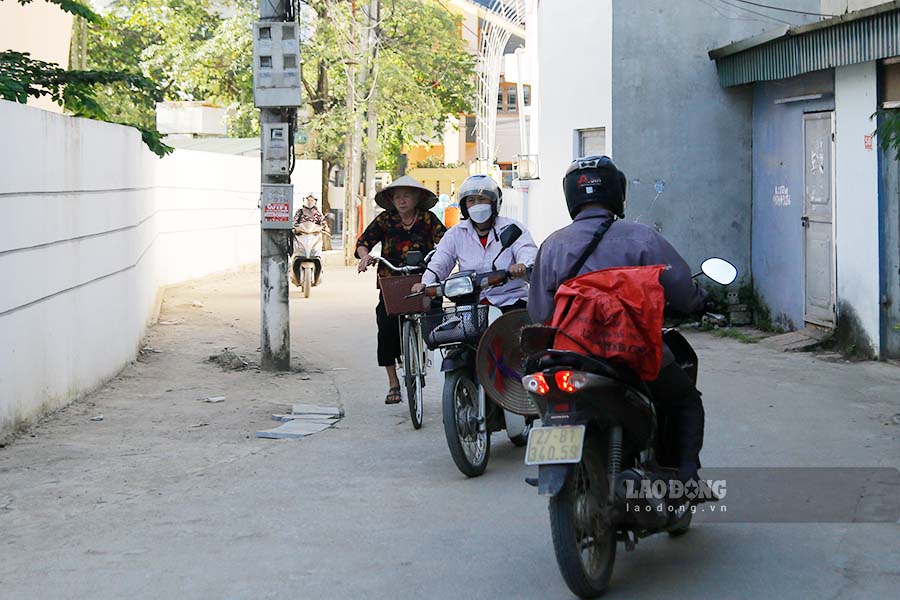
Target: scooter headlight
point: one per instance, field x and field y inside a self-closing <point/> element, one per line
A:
<point x="458" y="286"/>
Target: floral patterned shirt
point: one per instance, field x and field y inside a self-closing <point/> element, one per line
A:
<point x="387" y="229"/>
<point x="311" y="215"/>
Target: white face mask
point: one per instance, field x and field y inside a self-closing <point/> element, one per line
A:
<point x="480" y="213"/>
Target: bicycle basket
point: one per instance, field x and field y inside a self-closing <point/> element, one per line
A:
<point x="455" y="325"/>
<point x="395" y="289"/>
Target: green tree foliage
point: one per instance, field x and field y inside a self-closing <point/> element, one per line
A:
<point x="422" y="73"/>
<point x="888" y="131"/>
<point x="187" y="48"/>
<point x="22" y="77"/>
<point x="426" y="74"/>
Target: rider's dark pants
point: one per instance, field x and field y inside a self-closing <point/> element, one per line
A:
<point x="675" y="395"/>
<point x="517" y="305"/>
<point x="388" y="335"/>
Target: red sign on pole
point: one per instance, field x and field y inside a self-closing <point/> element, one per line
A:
<point x="277" y="211"/>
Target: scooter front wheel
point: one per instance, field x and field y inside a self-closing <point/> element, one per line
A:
<point x="467" y="436"/>
<point x="308" y="275"/>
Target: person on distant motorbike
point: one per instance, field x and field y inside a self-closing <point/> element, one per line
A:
<point x="309" y="212"/>
<point x="475" y="242"/>
<point x="595" y="194"/>
<point x="406" y="224"/>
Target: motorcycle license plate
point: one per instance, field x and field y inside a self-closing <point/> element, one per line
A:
<point x="555" y="445"/>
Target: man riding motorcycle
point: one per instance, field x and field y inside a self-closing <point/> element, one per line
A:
<point x="595" y="194"/>
<point x="474" y="243"/>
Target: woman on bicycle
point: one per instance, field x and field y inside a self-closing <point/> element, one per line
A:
<point x="406" y="224"/>
<point x="475" y="243"/>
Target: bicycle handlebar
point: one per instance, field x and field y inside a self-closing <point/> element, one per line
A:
<point x="406" y="270"/>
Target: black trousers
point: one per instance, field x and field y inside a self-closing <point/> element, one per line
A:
<point x="388" y="335"/>
<point x="676" y="397"/>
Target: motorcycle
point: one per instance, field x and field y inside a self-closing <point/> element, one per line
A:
<point x="306" y="262"/>
<point x="469" y="415"/>
<point x="604" y="456"/>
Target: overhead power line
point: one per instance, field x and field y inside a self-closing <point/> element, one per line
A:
<point x="754" y="12"/>
<point x="790" y="10"/>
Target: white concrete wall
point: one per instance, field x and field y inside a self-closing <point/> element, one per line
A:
<point x="507" y="141"/>
<point x="572" y="86"/>
<point x="195" y="118"/>
<point x="92" y="225"/>
<point x="856" y="201"/>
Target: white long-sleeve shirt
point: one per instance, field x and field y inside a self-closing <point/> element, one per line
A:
<point x="461" y="245"/>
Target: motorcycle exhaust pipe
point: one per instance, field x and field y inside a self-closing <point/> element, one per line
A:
<point x="643" y="498"/>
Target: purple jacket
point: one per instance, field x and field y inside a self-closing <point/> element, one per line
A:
<point x="626" y="244"/>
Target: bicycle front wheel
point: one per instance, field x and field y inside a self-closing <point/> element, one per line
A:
<point x="412" y="373"/>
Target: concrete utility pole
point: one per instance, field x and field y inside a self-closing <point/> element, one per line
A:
<point x="371" y="111"/>
<point x="275" y="328"/>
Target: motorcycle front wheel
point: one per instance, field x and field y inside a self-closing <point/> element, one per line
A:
<point x="584" y="537"/>
<point x="308" y="274"/>
<point x="469" y="444"/>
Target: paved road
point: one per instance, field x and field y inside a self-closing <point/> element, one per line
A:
<point x="142" y="505"/>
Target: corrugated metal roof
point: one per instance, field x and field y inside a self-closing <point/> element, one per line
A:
<point x="853" y="38"/>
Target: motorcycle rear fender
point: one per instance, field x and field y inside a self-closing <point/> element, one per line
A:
<point x="455" y="360"/>
<point x="551" y="479"/>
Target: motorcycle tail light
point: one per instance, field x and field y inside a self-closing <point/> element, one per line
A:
<point x="570" y="381"/>
<point x="563" y="381"/>
<point x="561" y="407"/>
<point x="536" y="384"/>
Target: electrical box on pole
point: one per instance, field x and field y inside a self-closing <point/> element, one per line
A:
<point x="277" y="205"/>
<point x="276" y="148"/>
<point x="276" y="64"/>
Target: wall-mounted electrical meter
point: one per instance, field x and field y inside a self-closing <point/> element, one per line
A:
<point x="276" y="64"/>
<point x="276" y="149"/>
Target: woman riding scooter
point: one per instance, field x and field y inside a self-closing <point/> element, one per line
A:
<point x="310" y="229"/>
<point x="475" y="242"/>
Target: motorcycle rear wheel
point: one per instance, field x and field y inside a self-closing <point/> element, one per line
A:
<point x="584" y="538"/>
<point x="469" y="447"/>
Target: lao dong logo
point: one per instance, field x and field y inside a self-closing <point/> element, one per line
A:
<point x="709" y="489"/>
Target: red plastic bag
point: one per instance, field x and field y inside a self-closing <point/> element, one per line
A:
<point x="616" y="314"/>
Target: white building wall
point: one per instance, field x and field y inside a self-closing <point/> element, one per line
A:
<point x="856" y="199"/>
<point x="572" y="86"/>
<point x="92" y="225"/>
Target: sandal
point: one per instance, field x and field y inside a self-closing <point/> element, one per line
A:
<point x="393" y="396"/>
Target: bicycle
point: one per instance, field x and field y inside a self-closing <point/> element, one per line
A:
<point x="410" y="310"/>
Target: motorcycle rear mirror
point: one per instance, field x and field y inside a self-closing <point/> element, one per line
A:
<point x="509" y="235"/>
<point x="414" y="258"/>
<point x="719" y="270"/>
